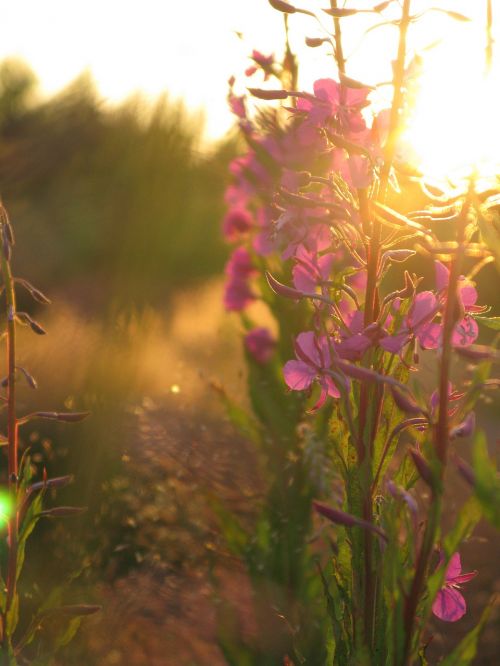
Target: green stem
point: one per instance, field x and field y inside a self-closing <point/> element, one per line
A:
<point x="12" y="436"/>
<point x="441" y="429"/>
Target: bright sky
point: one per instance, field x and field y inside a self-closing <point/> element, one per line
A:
<point x="189" y="47"/>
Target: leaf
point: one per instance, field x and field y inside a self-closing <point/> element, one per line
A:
<point x="487" y="481"/>
<point x="466" y="650"/>
<point x="489" y="322"/>
<point x="454" y="15"/>
<point x="234" y="534"/>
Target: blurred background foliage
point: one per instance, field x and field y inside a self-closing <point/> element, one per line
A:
<point x="123" y="200"/>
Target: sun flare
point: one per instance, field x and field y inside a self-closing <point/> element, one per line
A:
<point x="453" y="128"/>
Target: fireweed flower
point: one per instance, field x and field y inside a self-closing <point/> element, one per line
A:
<point x="466" y="330"/>
<point x="336" y="105"/>
<point x="260" y="344"/>
<point x="417" y="325"/>
<point x="237" y="222"/>
<point x="311" y="270"/>
<point x="449" y="604"/>
<point x="239" y="269"/>
<point x="312" y="364"/>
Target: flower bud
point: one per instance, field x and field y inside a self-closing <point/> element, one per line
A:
<point x="405" y="403"/>
<point x="314" y="42"/>
<point x="268" y="94"/>
<point x="422" y="466"/>
<point x="466" y="428"/>
<point x="281" y="6"/>
<point x="282" y="289"/>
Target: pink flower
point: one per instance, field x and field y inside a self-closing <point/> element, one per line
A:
<point x="239" y="269"/>
<point x="313" y="360"/>
<point x="237" y="222"/>
<point x="449" y="604"/>
<point x="260" y="344"/>
<point x="335" y="103"/>
<point x="466" y="331"/>
<point x="311" y="271"/>
<point x="418" y="324"/>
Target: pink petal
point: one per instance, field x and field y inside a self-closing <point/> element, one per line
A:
<point x="449" y="605"/>
<point x="329" y="385"/>
<point x="306" y="348"/>
<point x="394" y="343"/>
<point x="464" y="578"/>
<point x="454" y="567"/>
<point x="327" y="90"/>
<point x="468" y="293"/>
<point x="421" y="312"/>
<point x="429" y="336"/>
<point x="325" y="263"/>
<point x="298" y="375"/>
<point x="303" y="280"/>
<point x="442" y="275"/>
<point x="465" y="332"/>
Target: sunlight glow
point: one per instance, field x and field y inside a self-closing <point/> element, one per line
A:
<point x="454" y="126"/>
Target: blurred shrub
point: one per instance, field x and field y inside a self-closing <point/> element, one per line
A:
<point x="122" y="200"/>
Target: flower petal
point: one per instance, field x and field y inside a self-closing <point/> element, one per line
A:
<point x="298" y="375"/>
<point x="454" y="567"/>
<point x="449" y="605"/>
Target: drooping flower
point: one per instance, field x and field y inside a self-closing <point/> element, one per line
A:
<point x="312" y="364"/>
<point x="260" y="344"/>
<point x="449" y="604"/>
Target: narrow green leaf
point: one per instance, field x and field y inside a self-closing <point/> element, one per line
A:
<point x="487" y="481"/>
<point x="466" y="650"/>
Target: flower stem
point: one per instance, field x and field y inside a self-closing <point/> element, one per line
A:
<point x="12" y="436"/>
<point x="442" y="427"/>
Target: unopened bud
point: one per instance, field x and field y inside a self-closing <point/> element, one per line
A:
<point x="476" y="352"/>
<point x="405" y="403"/>
<point x="282" y="289"/>
<point x="466" y="428"/>
<point x="465" y="470"/>
<point x="281" y="6"/>
<point x="340" y="13"/>
<point x="268" y="94"/>
<point x="348" y="520"/>
<point x="422" y="466"/>
<point x="314" y="42"/>
<point x="68" y="417"/>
